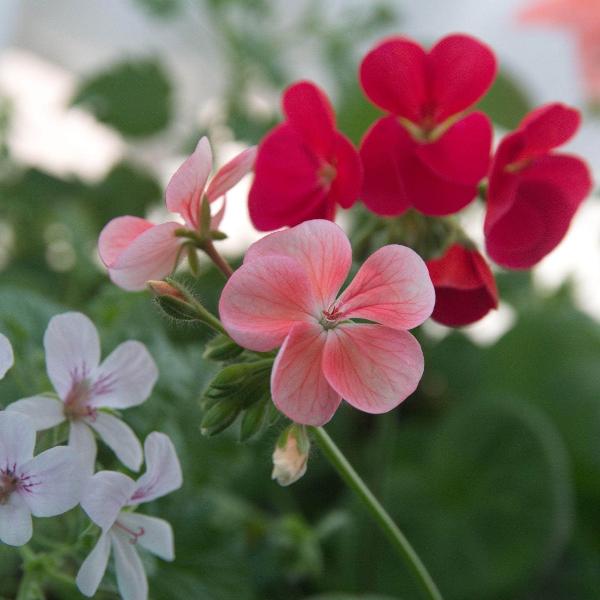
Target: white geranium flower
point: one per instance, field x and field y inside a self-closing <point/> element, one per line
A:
<point x="6" y="355"/>
<point x="104" y="499"/>
<point x="46" y="485"/>
<point x="84" y="386"/>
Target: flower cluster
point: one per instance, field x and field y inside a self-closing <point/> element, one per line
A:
<point x="88" y="392"/>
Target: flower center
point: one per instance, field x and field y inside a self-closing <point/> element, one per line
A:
<point x="8" y="484"/>
<point x="76" y="403"/>
<point x="331" y="317"/>
<point x="135" y="535"/>
<point x="326" y="175"/>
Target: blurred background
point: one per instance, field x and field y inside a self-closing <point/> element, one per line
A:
<point x="492" y="468"/>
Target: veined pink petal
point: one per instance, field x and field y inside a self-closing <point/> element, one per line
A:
<point x="117" y="235"/>
<point x="94" y="566"/>
<point x="309" y="112"/>
<point x="83" y="442"/>
<point x="374" y="368"/>
<point x="43" y="412"/>
<point x="321" y="248"/>
<point x="157" y="537"/>
<point x="6" y="355"/>
<point x="17" y="438"/>
<point x="15" y="521"/>
<point x="131" y="577"/>
<point x="163" y="471"/>
<point x="119" y="437"/>
<point x="56" y="482"/>
<point x="184" y="191"/>
<point x="264" y="298"/>
<point x="392" y="287"/>
<point x="230" y="174"/>
<point x="299" y="388"/>
<point x="125" y="378"/>
<point x="151" y="255"/>
<point x="72" y="350"/>
<point x="105" y="494"/>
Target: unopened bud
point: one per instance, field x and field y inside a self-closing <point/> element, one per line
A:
<point x="219" y="417"/>
<point x="222" y="348"/>
<point x="162" y="288"/>
<point x="253" y="420"/>
<point x="290" y="457"/>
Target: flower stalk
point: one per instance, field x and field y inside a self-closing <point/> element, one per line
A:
<point x="379" y="514"/>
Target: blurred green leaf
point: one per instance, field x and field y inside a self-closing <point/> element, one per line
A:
<point x="506" y="103"/>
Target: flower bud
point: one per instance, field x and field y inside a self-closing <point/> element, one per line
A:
<point x="162" y="288"/>
<point x="222" y="348"/>
<point x="291" y="455"/>
<point x="219" y="417"/>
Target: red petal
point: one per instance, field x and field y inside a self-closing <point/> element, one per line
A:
<point x="298" y="385"/>
<point x="385" y="152"/>
<point x="530" y="213"/>
<point x="393" y="76"/>
<point x="346" y="186"/>
<point x="462" y="153"/>
<point x="464" y="285"/>
<point x="309" y="112"/>
<point x="461" y="69"/>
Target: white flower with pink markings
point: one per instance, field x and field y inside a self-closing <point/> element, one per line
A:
<point x="85" y="386"/>
<point x="46" y="485"/>
<point x="105" y="499"/>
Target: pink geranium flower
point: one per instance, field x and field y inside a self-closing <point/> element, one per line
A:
<point x="46" y="485"/>
<point x="135" y="250"/>
<point x="85" y="387"/>
<point x="285" y="294"/>
<point x="106" y="500"/>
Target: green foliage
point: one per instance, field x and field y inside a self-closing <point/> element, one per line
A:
<point x="133" y="97"/>
<point x="506" y="103"/>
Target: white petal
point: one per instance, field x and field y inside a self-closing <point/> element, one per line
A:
<point x="83" y="442"/>
<point x="17" y="439"/>
<point x="163" y="471"/>
<point x="157" y="536"/>
<point x="15" y="521"/>
<point x="7" y="358"/>
<point x="93" y="568"/>
<point x="72" y="350"/>
<point x="105" y="494"/>
<point x="55" y="482"/>
<point x="125" y="378"/>
<point x="43" y="411"/>
<point x="131" y="577"/>
<point x="118" y="436"/>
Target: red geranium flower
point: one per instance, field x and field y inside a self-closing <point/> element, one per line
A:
<point x="304" y="167"/>
<point x="465" y="289"/>
<point x="533" y="192"/>
<point x="425" y="154"/>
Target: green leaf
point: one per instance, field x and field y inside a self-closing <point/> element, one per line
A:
<point x="506" y="103"/>
<point x="133" y="97"/>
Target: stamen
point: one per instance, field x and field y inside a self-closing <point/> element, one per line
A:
<point x="135" y="535"/>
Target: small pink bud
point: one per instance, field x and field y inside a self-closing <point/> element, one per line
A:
<point x="291" y="455"/>
<point x="162" y="288"/>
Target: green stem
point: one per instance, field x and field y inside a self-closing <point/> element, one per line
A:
<point x="396" y="537"/>
<point x="218" y="260"/>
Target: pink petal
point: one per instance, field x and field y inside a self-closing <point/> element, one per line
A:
<point x="374" y="368"/>
<point x="264" y="298"/>
<point x="120" y="438"/>
<point x="15" y="521"/>
<point x="105" y="494"/>
<point x="346" y="186"/>
<point x="186" y="187"/>
<point x="286" y="188"/>
<point x="309" y="112"/>
<point x="299" y="388"/>
<point x="17" y="439"/>
<point x="217" y="217"/>
<point x="385" y="152"/>
<point x="393" y="76"/>
<point x="56" y="482"/>
<point x="392" y="287"/>
<point x="125" y="378"/>
<point x="6" y="355"/>
<point x="72" y="350"/>
<point x="319" y="246"/>
<point x="231" y="173"/>
<point x="43" y="412"/>
<point x="117" y="235"/>
<point x="152" y="255"/>
<point x="462" y="153"/>
<point x="462" y="70"/>
<point x="93" y="567"/>
<point x="157" y="537"/>
<point x="163" y="471"/>
<point x="131" y="577"/>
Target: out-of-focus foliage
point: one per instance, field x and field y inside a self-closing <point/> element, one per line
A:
<point x="492" y="468"/>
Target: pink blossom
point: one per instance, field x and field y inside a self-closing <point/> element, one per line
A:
<point x="135" y="250"/>
<point x="6" y="355"/>
<point x="105" y="496"/>
<point x="44" y="486"/>
<point x="285" y="294"/>
<point x="85" y="387"/>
